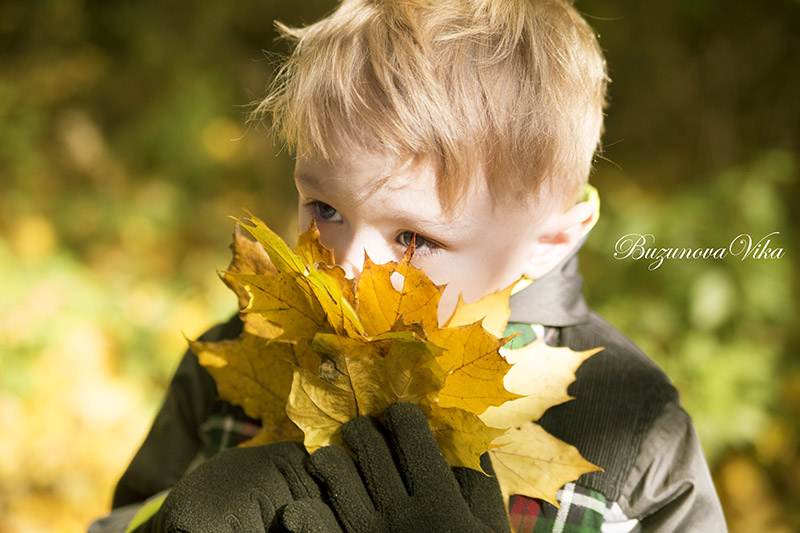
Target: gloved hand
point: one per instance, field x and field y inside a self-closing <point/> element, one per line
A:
<point x="404" y="485"/>
<point x="239" y="490"/>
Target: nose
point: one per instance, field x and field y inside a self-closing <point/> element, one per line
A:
<point x="350" y="253"/>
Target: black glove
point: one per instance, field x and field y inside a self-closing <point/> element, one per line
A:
<point x="404" y="485"/>
<point x="482" y="494"/>
<point x="239" y="490"/>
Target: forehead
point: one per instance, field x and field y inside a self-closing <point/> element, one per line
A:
<point x="363" y="173"/>
<point x="357" y="171"/>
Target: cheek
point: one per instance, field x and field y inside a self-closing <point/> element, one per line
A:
<point x="488" y="270"/>
<point x="457" y="278"/>
<point x="470" y="284"/>
<point x="330" y="239"/>
<point x="446" y="306"/>
<point x="473" y="275"/>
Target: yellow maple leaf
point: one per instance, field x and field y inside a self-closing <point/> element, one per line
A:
<point x="390" y="368"/>
<point x="300" y="295"/>
<point x="492" y="311"/>
<point x="249" y="257"/>
<point x="529" y="461"/>
<point x="318" y="350"/>
<point x="539" y="375"/>
<point x="319" y="408"/>
<point x="475" y="373"/>
<point x="256" y="376"/>
<point x="361" y="377"/>
<point x="462" y="436"/>
<point x="381" y="307"/>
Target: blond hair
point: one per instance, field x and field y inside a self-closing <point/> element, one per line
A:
<point x="512" y="90"/>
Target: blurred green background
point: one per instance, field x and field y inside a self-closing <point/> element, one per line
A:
<point x="123" y="148"/>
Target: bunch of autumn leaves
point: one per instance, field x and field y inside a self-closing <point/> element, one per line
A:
<point x="319" y="349"/>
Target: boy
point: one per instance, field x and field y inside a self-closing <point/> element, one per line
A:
<point x="468" y="127"/>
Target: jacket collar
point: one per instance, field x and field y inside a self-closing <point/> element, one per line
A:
<point x="555" y="299"/>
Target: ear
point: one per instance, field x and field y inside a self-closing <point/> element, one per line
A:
<point x="560" y="233"/>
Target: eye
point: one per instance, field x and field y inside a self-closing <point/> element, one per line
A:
<point x="421" y="244"/>
<point x="325" y="213"/>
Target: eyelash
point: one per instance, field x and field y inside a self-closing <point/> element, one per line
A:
<point x="315" y="206"/>
<point x="423" y="245"/>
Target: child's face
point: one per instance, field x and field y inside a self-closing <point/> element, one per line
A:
<point x="362" y="203"/>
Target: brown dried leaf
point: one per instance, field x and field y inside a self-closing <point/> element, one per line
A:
<point x="248" y="257"/>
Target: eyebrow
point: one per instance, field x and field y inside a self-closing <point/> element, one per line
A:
<point x="443" y="231"/>
<point x="310" y="180"/>
<point x="317" y="184"/>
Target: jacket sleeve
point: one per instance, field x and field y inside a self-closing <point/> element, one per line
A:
<point x="670" y="487"/>
<point x="173" y="442"/>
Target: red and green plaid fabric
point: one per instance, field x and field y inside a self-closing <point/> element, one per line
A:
<point x="582" y="511"/>
<point x="226" y="428"/>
